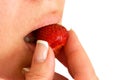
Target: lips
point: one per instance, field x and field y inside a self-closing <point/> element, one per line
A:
<point x="30" y="38"/>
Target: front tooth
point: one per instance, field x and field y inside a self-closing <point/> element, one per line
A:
<point x="29" y="39"/>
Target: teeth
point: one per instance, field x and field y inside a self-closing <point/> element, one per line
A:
<point x="29" y="39"/>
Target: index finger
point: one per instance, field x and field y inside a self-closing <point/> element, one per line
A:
<point x="76" y="59"/>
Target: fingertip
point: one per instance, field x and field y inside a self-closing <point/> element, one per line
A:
<point x="41" y="51"/>
<point x="69" y="46"/>
<point x="73" y="42"/>
<point x="77" y="59"/>
<point x="51" y="57"/>
<point x="42" y="68"/>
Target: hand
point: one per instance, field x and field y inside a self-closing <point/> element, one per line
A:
<point x="73" y="57"/>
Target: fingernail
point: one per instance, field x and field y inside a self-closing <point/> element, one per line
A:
<point x="41" y="51"/>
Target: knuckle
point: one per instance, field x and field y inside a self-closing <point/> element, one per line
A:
<point x="36" y="76"/>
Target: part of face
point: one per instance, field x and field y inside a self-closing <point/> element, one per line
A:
<point x="19" y="18"/>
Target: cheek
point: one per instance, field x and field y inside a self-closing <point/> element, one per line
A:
<point x="8" y="9"/>
<point x="8" y="12"/>
<point x="9" y="32"/>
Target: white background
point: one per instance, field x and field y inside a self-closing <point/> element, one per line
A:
<point x="97" y="24"/>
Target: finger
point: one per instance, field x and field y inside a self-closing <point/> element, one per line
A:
<point x="62" y="58"/>
<point x="59" y="77"/>
<point x="42" y="67"/>
<point x="78" y="62"/>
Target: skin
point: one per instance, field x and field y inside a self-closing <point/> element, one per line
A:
<point x="19" y="18"/>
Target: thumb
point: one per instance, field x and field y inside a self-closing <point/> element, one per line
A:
<point x="42" y="67"/>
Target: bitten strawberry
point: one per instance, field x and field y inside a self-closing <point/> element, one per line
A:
<point x="56" y="35"/>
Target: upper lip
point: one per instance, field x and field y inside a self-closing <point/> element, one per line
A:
<point x="47" y="21"/>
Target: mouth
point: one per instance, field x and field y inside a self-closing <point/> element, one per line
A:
<point x="31" y="38"/>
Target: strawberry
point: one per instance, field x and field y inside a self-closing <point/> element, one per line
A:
<point x="56" y="35"/>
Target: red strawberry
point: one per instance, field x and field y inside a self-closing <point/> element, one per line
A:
<point x="56" y="35"/>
